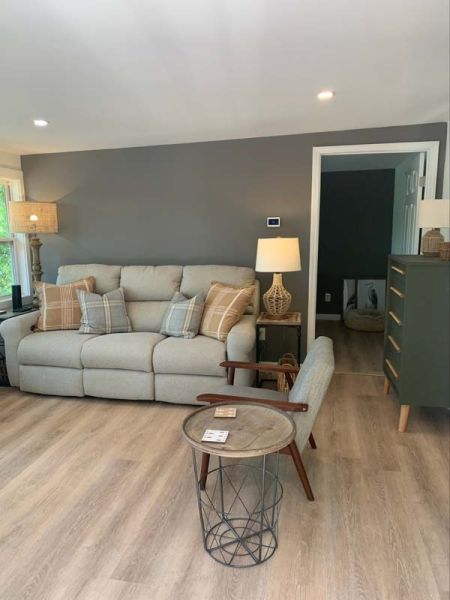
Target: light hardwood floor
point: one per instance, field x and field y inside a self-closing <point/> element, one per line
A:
<point x="97" y="502"/>
<point x="354" y="351"/>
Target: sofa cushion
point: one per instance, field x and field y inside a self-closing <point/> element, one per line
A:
<point x="107" y="277"/>
<point x="147" y="316"/>
<point x="150" y="283"/>
<point x="199" y="356"/>
<point x="130" y="351"/>
<point x="53" y="349"/>
<point x="198" y="278"/>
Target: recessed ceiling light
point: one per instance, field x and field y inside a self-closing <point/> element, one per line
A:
<point x="40" y="122"/>
<point x="326" y="95"/>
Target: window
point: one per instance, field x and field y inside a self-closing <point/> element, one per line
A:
<point x="7" y="253"/>
<point x="13" y="248"/>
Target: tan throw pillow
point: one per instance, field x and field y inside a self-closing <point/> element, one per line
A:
<point x="59" y="305"/>
<point x="224" y="306"/>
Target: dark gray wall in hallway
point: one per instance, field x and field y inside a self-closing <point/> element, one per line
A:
<point x="190" y="203"/>
<point x="356" y="209"/>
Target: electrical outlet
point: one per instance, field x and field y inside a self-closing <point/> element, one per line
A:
<point x="327" y="297"/>
<point x="262" y="334"/>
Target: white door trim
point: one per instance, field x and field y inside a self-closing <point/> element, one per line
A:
<point x="430" y="148"/>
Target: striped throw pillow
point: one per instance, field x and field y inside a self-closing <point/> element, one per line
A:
<point x="224" y="307"/>
<point x="105" y="313"/>
<point x="183" y="316"/>
<point x="59" y="305"/>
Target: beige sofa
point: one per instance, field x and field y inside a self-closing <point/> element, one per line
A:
<point x="142" y="365"/>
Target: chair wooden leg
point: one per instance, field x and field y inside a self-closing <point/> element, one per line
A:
<point x="387" y="386"/>
<point x="312" y="441"/>
<point x="301" y="470"/>
<point x="403" y="421"/>
<point x="204" y="470"/>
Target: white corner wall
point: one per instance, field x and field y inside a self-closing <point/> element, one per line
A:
<point x="10" y="161"/>
<point x="446" y="186"/>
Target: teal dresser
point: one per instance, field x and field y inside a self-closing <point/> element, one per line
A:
<point x="416" y="359"/>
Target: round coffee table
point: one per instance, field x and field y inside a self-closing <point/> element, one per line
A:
<point x="239" y="502"/>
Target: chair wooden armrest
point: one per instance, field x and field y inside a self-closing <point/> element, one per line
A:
<point x="286" y="406"/>
<point x="232" y="365"/>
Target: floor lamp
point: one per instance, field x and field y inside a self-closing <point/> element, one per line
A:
<point x="33" y="218"/>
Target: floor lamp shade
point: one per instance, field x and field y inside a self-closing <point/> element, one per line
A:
<point x="433" y="214"/>
<point x="277" y="256"/>
<point x="33" y="217"/>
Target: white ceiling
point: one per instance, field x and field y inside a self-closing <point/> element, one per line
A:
<point x="113" y="73"/>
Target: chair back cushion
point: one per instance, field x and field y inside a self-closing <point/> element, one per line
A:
<point x="311" y="386"/>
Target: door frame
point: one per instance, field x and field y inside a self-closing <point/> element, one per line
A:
<point x="431" y="149"/>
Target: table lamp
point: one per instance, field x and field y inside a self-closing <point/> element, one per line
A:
<point x="277" y="255"/>
<point x="434" y="214"/>
<point x="33" y="218"/>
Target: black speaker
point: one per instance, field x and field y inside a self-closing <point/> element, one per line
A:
<point x="16" y="298"/>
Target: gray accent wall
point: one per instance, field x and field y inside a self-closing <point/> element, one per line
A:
<point x="190" y="203"/>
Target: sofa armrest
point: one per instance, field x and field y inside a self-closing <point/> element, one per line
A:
<point x="13" y="331"/>
<point x="241" y="346"/>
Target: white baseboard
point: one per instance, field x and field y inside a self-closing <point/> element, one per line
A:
<point x="325" y="317"/>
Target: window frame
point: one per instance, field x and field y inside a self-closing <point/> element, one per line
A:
<point x="12" y="179"/>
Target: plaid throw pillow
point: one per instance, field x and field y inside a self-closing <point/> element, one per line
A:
<point x="224" y="306"/>
<point x="103" y="314"/>
<point x="183" y="316"/>
<point x="59" y="305"/>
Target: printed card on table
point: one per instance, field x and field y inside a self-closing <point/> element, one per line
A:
<point x="225" y="412"/>
<point x="215" y="435"/>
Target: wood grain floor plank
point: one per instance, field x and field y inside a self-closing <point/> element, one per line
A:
<point x="97" y="502"/>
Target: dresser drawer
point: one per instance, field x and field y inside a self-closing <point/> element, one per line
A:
<point x="394" y="318"/>
<point x="397" y="277"/>
<point x="394" y="357"/>
<point x="396" y="304"/>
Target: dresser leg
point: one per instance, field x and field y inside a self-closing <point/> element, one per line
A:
<point x="403" y="421"/>
<point x="387" y="386"/>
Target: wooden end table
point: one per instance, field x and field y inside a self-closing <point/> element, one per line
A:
<point x="238" y="502"/>
<point x="292" y="319"/>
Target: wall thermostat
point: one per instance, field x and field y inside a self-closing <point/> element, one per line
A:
<point x="273" y="221"/>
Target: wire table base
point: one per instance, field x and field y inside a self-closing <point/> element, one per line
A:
<point x="239" y="510"/>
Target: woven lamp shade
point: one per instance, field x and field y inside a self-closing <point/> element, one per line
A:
<point x="33" y="217"/>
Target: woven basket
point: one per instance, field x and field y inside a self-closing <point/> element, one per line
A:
<point x="286" y="359"/>
<point x="444" y="250"/>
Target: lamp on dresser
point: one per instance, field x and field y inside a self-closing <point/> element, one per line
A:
<point x="433" y="214"/>
<point x="277" y="255"/>
<point x="33" y="218"/>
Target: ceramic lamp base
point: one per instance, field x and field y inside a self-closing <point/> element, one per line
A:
<point x="431" y="242"/>
<point x="277" y="299"/>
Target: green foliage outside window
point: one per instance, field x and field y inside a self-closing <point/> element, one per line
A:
<point x="6" y="266"/>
